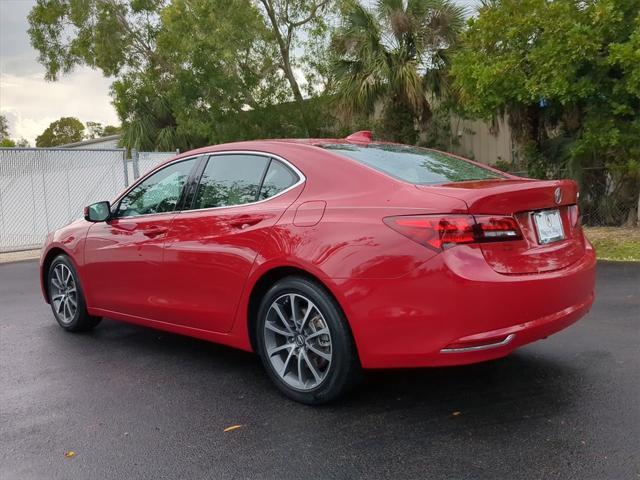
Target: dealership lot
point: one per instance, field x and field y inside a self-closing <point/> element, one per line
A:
<point x="136" y="403"/>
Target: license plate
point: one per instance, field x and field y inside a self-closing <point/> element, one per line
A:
<point x="549" y="226"/>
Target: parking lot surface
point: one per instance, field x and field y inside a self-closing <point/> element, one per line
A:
<point x="137" y="403"/>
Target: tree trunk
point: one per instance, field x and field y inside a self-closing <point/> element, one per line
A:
<point x="295" y="88"/>
<point x="638" y="211"/>
<point x="284" y="48"/>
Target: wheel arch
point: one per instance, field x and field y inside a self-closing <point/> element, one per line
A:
<point x="267" y="280"/>
<point x="46" y="263"/>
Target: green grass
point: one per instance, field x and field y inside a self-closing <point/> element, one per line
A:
<point x="620" y="244"/>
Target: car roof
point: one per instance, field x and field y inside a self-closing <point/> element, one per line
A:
<point x="312" y="147"/>
<point x="276" y="145"/>
<point x="266" y="143"/>
<point x="363" y="137"/>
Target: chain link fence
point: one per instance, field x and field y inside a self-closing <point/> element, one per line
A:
<point x="42" y="189"/>
<point x="142" y="162"/>
<point x="606" y="197"/>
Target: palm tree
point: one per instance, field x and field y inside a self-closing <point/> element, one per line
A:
<point x="394" y="57"/>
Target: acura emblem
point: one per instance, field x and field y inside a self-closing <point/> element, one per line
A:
<point x="558" y="195"/>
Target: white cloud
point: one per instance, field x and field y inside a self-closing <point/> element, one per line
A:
<point x="31" y="103"/>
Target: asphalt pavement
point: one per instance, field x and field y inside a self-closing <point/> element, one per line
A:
<point x="135" y="403"/>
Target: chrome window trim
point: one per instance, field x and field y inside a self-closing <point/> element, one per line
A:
<point x="301" y="178"/>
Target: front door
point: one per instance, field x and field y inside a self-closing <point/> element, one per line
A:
<point x="123" y="257"/>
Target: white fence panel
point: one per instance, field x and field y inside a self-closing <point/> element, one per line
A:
<point x="44" y="189"/>
<point x="142" y="162"/>
<point x="148" y="160"/>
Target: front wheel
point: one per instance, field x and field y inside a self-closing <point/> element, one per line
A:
<point x="305" y="343"/>
<point x="66" y="297"/>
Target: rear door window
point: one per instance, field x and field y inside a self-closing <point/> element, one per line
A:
<point x="413" y="164"/>
<point x="229" y="180"/>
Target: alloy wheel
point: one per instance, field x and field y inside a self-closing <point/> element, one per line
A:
<point x="297" y="341"/>
<point x="64" y="293"/>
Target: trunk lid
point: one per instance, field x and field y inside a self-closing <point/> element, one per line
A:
<point x="521" y="198"/>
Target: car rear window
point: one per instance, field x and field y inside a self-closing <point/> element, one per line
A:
<point x="414" y="164"/>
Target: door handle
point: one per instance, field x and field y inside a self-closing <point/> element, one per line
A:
<point x="245" y="221"/>
<point x="154" y="231"/>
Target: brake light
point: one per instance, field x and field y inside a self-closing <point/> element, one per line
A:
<point x="434" y="231"/>
<point x="440" y="231"/>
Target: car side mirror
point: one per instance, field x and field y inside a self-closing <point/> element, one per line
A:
<point x="97" y="212"/>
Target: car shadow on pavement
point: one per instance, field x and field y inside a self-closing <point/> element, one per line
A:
<point x="524" y="384"/>
<point x="166" y="390"/>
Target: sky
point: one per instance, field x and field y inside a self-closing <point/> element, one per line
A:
<point x="31" y="103"/>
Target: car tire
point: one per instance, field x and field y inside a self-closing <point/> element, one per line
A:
<point x="307" y="349"/>
<point x="67" y="298"/>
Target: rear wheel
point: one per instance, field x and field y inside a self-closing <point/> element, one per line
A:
<point x="304" y="342"/>
<point x="66" y="297"/>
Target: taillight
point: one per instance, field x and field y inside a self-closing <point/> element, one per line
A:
<point x="574" y="215"/>
<point x="440" y="231"/>
<point x="434" y="231"/>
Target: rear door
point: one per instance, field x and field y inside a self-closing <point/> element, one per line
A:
<point x="123" y="257"/>
<point x="211" y="248"/>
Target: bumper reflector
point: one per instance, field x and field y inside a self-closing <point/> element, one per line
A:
<point x="473" y="346"/>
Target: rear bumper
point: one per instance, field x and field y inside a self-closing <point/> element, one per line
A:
<point x="456" y="310"/>
<point x="498" y="343"/>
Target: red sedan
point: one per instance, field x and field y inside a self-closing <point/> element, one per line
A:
<point x="329" y="256"/>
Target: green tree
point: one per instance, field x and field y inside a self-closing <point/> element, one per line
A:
<point x="5" y="140"/>
<point x="111" y="35"/>
<point x="394" y="57"/>
<point x="94" y="130"/>
<point x="62" y="131"/>
<point x="179" y="66"/>
<point x="97" y="130"/>
<point x="287" y="21"/>
<point x="566" y="73"/>
<point x="111" y="130"/>
<point x="4" y="128"/>
<point x="217" y="61"/>
<point x="114" y="36"/>
<point x="147" y="115"/>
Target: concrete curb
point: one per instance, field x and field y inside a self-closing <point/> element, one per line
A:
<point x="26" y="255"/>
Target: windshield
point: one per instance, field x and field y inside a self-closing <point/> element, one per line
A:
<point x="413" y="164"/>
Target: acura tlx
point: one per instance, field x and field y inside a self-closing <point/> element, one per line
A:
<point x="329" y="256"/>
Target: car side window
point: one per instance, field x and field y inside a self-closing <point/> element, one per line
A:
<point x="159" y="192"/>
<point x="228" y="180"/>
<point x="279" y="177"/>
